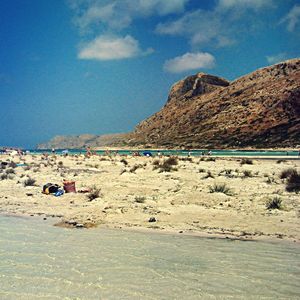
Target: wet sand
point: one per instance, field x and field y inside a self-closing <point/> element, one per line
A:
<point x="135" y="195"/>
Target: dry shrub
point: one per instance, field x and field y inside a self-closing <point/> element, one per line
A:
<point x="94" y="193"/>
<point x="172" y="161"/>
<point x="293" y="183"/>
<point x="10" y="171"/>
<point x="246" y="161"/>
<point x="156" y="162"/>
<point x="124" y="161"/>
<point x="208" y="175"/>
<point x="4" y="176"/>
<point x="140" y="199"/>
<point x="135" y="167"/>
<point x="12" y="164"/>
<point x="275" y="203"/>
<point x="220" y="188"/>
<point x="167" y="165"/>
<point x="247" y="173"/>
<point x="29" y="182"/>
<point x="287" y="173"/>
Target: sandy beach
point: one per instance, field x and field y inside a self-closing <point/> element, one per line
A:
<point x="144" y="193"/>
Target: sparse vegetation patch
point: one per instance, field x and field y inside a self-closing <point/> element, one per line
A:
<point x="29" y="182"/>
<point x="293" y="183"/>
<point x="220" y="188"/>
<point x="274" y="203"/>
<point x="246" y="161"/>
<point x="94" y="193"/>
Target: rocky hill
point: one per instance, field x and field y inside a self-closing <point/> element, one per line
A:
<point x="261" y="109"/>
<point x="84" y="140"/>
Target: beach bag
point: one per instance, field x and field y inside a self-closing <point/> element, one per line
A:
<point x="50" y="188"/>
<point x="69" y="186"/>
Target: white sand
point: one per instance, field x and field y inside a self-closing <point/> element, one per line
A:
<point x="180" y="201"/>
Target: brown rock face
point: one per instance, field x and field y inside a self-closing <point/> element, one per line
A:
<point x="195" y="85"/>
<point x="261" y="109"/>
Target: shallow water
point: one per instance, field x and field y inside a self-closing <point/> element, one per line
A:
<point x="40" y="261"/>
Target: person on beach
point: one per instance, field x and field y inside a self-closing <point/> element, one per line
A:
<point x="88" y="152"/>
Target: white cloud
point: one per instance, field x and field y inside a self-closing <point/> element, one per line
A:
<point x="189" y="61"/>
<point x="112" y="48"/>
<point x="96" y="17"/>
<point x="118" y="14"/>
<point x="292" y="18"/>
<point x="255" y="4"/>
<point x="220" y="26"/>
<point x="273" y="59"/>
<point x="201" y="27"/>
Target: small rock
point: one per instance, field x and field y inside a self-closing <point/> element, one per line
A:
<point x="72" y="222"/>
<point x="44" y="218"/>
<point x="79" y="225"/>
<point x="152" y="219"/>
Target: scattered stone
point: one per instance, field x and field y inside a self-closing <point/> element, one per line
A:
<point x="79" y="225"/>
<point x="72" y="222"/>
<point x="152" y="219"/>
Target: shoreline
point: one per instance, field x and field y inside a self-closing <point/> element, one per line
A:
<point x="57" y="222"/>
<point x="179" y="201"/>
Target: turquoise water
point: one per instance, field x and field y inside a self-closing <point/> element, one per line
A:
<point x="39" y="261"/>
<point x="186" y="153"/>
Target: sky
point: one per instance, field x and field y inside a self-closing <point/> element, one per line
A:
<point x="70" y="67"/>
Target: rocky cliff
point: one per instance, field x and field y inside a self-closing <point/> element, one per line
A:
<point x="261" y="109"/>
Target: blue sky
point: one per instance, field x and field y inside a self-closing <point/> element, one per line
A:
<point x="69" y="67"/>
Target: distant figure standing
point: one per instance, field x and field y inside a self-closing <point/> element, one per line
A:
<point x="88" y="152"/>
<point x="53" y="151"/>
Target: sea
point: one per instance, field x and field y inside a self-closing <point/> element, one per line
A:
<point x="41" y="261"/>
<point x="199" y="152"/>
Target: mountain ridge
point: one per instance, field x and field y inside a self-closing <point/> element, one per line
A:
<point x="260" y="109"/>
